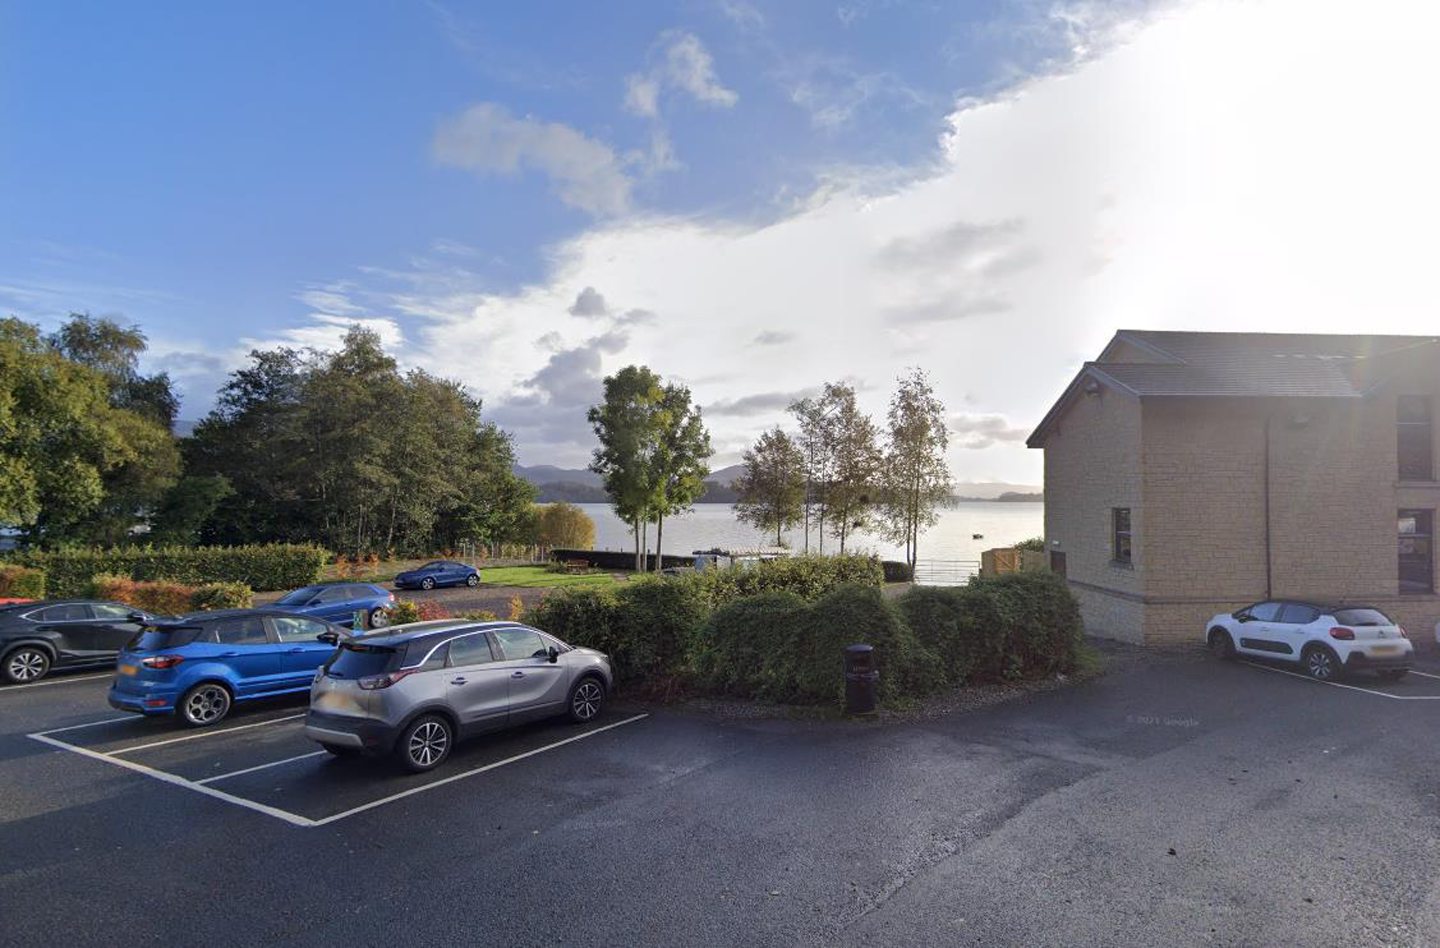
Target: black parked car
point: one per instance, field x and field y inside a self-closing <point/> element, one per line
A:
<point x="38" y="636"/>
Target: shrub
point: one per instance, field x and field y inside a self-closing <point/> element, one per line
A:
<point x="1034" y="544"/>
<point x="646" y="626"/>
<point x="736" y="650"/>
<point x="482" y="615"/>
<point x="274" y="566"/>
<point x="1020" y="625"/>
<point x="409" y="610"/>
<point x="808" y="577"/>
<point x="159" y="597"/>
<point x="564" y="525"/>
<point x="221" y="596"/>
<point x="21" y="582"/>
<point x="897" y="572"/>
<point x="855" y="614"/>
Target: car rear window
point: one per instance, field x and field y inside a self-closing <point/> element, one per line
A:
<point x="154" y="640"/>
<point x="358" y="660"/>
<point x="1362" y="616"/>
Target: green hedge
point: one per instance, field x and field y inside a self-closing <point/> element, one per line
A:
<point x="781" y="645"/>
<point x="808" y="577"/>
<point x="21" y="582"/>
<point x="274" y="566"/>
<point x="165" y="597"/>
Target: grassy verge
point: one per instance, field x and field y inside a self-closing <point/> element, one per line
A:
<point x="538" y="577"/>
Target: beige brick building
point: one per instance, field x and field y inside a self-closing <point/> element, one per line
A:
<point x="1189" y="473"/>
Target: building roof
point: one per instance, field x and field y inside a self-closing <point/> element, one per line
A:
<point x="1241" y="365"/>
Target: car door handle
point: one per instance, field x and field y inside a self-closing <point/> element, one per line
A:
<point x="229" y="654"/>
<point x="297" y="650"/>
<point x="518" y="674"/>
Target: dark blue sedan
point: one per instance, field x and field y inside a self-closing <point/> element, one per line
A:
<point x="438" y="573"/>
<point x="339" y="602"/>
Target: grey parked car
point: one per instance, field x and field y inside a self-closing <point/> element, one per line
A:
<point x="413" y="690"/>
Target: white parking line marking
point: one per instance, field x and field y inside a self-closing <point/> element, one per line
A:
<point x="251" y="770"/>
<point x="76" y="727"/>
<point x="1336" y="684"/>
<point x="470" y="773"/>
<point x="58" y="681"/>
<point x="1423" y="674"/>
<point x="164" y="777"/>
<point x="197" y="736"/>
<point x="294" y="819"/>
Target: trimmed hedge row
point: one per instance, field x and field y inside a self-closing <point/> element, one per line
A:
<point x="272" y="566"/>
<point x="169" y="598"/>
<point x="778" y="644"/>
<point x="21" y="582"/>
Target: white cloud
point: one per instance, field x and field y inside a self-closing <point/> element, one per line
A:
<point x="683" y="64"/>
<point x="487" y="139"/>
<point x="1217" y="170"/>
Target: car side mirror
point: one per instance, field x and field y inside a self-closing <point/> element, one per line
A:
<point x="138" y="617"/>
<point x="329" y="638"/>
<point x="553" y="653"/>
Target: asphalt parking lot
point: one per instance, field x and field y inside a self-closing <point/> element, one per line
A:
<point x="1175" y="800"/>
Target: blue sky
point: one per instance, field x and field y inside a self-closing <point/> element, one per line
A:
<point x="752" y="198"/>
<point x="193" y="166"/>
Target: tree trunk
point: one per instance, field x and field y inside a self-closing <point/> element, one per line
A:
<point x="635" y="527"/>
<point x="645" y="537"/>
<point x="659" y="542"/>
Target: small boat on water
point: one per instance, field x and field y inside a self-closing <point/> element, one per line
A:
<point x="977" y="536"/>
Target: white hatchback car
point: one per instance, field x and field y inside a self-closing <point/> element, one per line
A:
<point x="1326" y="641"/>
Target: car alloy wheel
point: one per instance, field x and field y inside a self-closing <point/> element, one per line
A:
<point x="205" y="704"/>
<point x="427" y="583"/>
<point x="1221" y="644"/>
<point x="26" y="664"/>
<point x="587" y="700"/>
<point x="425" y="744"/>
<point x="472" y="580"/>
<point x="379" y="618"/>
<point x="1320" y="664"/>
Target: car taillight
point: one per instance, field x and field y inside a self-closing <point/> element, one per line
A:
<point x="162" y="661"/>
<point x="1340" y="632"/>
<point x="392" y="597"/>
<point x="376" y="682"/>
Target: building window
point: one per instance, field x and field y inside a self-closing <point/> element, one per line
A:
<point x="1120" y="534"/>
<point x="1417" y="557"/>
<point x="1413" y="434"/>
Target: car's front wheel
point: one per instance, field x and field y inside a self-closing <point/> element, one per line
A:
<point x="587" y="699"/>
<point x="1320" y="663"/>
<point x="1221" y="645"/>
<point x="377" y="619"/>
<point x="473" y="579"/>
<point x="205" y="704"/>
<point x="427" y="583"/>
<point x="425" y="744"/>
<point x="26" y="664"/>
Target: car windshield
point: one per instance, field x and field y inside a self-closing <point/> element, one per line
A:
<point x="1363" y="616"/>
<point x="298" y="596"/>
<point x="357" y="660"/>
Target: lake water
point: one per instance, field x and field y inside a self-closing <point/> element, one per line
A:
<point x="714" y="525"/>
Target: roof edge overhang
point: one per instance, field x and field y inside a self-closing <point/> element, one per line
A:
<point x="1089" y="370"/>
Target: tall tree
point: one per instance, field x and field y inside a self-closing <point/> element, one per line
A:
<point x="772" y="489"/>
<point x="624" y="423"/>
<point x="916" y="475"/>
<point x="854" y="463"/>
<point x="562" y="526"/>
<point x="57" y="439"/>
<point x="679" y="461"/>
<point x="142" y="412"/>
<point x="816" y="437"/>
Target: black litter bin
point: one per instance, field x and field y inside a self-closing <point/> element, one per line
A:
<point x="861" y="679"/>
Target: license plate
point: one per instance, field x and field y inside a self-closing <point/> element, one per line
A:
<point x="1384" y="649"/>
<point x="128" y="670"/>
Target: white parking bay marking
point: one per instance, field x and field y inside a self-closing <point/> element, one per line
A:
<point x="291" y="818"/>
<point x="472" y="772"/>
<point x="197" y="736"/>
<point x="76" y="727"/>
<point x="273" y="763"/>
<point x="1423" y="674"/>
<point x="1336" y="684"/>
<point x="57" y="681"/>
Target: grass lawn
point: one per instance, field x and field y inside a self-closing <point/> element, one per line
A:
<point x="537" y="577"/>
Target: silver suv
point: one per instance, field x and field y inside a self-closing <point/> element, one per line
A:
<point x="413" y="690"/>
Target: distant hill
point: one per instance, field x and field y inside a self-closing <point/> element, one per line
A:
<point x="581" y="486"/>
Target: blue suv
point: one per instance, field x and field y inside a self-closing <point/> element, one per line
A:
<point x="438" y="573"/>
<point x="338" y="603"/>
<point x="200" y="666"/>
